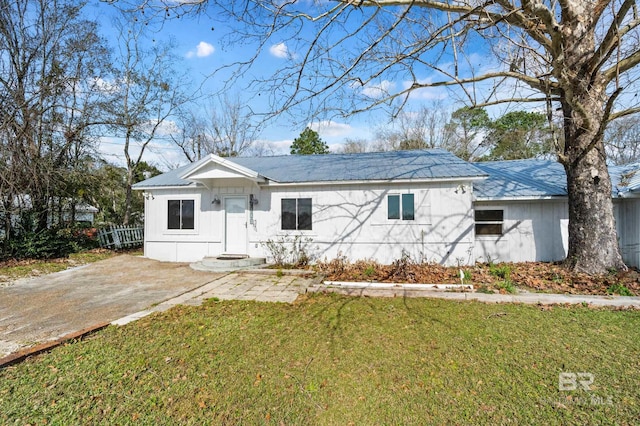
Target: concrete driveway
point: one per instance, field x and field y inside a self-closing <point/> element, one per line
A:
<point x="45" y="308"/>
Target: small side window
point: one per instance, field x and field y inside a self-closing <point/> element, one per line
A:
<point x="489" y="222"/>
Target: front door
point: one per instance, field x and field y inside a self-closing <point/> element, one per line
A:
<point x="235" y="209"/>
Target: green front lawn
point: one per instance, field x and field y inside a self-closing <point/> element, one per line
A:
<point x="329" y="359"/>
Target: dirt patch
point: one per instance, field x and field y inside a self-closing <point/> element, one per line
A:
<point x="530" y="276"/>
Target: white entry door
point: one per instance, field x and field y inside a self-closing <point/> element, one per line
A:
<point x="235" y="211"/>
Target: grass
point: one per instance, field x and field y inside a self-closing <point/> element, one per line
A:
<point x="330" y="359"/>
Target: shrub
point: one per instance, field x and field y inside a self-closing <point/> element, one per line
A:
<point x="46" y="244"/>
<point x="507" y="286"/>
<point x="619" y="289"/>
<point x="287" y="251"/>
<point x="403" y="268"/>
<point x="27" y="243"/>
<point x="500" y="271"/>
<point x="334" y="267"/>
<point x="369" y="270"/>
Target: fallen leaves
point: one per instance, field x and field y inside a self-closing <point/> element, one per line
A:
<point x="532" y="276"/>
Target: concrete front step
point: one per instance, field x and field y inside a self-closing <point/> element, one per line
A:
<point x="227" y="263"/>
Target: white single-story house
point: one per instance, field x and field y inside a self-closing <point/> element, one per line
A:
<point x="429" y="204"/>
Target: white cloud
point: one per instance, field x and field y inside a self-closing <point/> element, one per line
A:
<point x="281" y="146"/>
<point x="160" y="153"/>
<point x="331" y="129"/>
<point x="279" y="50"/>
<point x="106" y="86"/>
<point x="378" y="90"/>
<point x="167" y="127"/>
<point x="202" y="50"/>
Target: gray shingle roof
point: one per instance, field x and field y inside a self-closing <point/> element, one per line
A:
<point x="521" y="179"/>
<point x="385" y="166"/>
<point x="170" y="178"/>
<point x="391" y="165"/>
<point x="625" y="178"/>
<point x="543" y="178"/>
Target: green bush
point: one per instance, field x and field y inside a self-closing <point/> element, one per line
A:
<point x="48" y="243"/>
<point x="507" y="286"/>
<point x="500" y="271"/>
<point x="619" y="289"/>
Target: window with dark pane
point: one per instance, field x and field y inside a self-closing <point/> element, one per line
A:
<point x="188" y="214"/>
<point x="407" y="207"/>
<point x="304" y="214"/>
<point x="400" y="207"/>
<point x="174" y="214"/>
<point x="393" y="207"/>
<point x="181" y="214"/>
<point x="288" y="213"/>
<point x="296" y="214"/>
<point x="489" y="222"/>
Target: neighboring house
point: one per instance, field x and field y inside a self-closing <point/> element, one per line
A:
<point x="429" y="204"/>
<point x="83" y="214"/>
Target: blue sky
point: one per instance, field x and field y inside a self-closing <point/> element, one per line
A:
<point x="201" y="50"/>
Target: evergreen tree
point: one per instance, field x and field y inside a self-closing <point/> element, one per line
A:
<point x="308" y="143"/>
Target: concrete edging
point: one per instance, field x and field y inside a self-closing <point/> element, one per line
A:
<point x="405" y="286"/>
<point x="405" y="290"/>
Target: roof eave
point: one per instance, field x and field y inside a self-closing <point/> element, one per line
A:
<point x="190" y="185"/>
<point x="522" y="198"/>
<point x="378" y="181"/>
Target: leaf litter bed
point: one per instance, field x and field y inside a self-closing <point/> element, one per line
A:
<point x="487" y="277"/>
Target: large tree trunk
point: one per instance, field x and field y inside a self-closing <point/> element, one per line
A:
<point x="593" y="242"/>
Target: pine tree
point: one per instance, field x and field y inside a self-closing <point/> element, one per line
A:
<point x="309" y="143"/>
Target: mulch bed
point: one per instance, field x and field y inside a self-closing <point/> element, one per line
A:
<point x="530" y="276"/>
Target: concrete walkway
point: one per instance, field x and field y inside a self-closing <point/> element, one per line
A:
<point x="235" y="286"/>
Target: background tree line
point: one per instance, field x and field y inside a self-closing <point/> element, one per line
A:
<point x="468" y="133"/>
<point x="63" y="86"/>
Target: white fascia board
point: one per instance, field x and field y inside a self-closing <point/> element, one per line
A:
<point x="150" y="188"/>
<point x="628" y="194"/>
<point x="536" y="198"/>
<point x="375" y="181"/>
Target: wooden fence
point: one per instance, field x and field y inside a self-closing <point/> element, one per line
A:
<point x="119" y="237"/>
